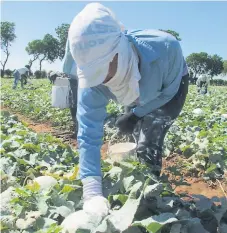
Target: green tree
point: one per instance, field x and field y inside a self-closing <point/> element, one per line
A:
<point x="35" y="49"/>
<point x="215" y="65"/>
<point x="45" y="49"/>
<point x="30" y="72"/>
<point x="224" y="67"/>
<point x="7" y="37"/>
<point x="50" y="49"/>
<point x="202" y="63"/>
<point x="8" y="72"/>
<point x="62" y="35"/>
<point x="40" y="74"/>
<point x="198" y="63"/>
<point x="175" y="34"/>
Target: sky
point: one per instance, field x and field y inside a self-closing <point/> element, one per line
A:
<point x="201" y="25"/>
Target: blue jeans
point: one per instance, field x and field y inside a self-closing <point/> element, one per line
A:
<point x="18" y="77"/>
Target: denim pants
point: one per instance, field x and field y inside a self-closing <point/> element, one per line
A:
<point x="17" y="77"/>
<point x="150" y="131"/>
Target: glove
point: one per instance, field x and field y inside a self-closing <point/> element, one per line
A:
<point x="98" y="205"/>
<point x="94" y="202"/>
<point x="80" y="220"/>
<point x="95" y="207"/>
<point x="94" y="211"/>
<point x="127" y="122"/>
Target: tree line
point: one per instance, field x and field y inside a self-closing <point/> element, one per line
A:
<point x="50" y="49"/>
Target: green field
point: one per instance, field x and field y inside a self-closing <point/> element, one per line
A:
<point x="34" y="102"/>
<point x="200" y="137"/>
<point x="30" y="205"/>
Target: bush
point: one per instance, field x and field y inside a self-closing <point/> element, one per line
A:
<point x="37" y="74"/>
<point x="214" y="82"/>
<point x="40" y="74"/>
<point x="8" y="72"/>
<point x="218" y="82"/>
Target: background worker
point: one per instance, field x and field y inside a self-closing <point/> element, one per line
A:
<point x="202" y="84"/>
<point x="22" y="75"/>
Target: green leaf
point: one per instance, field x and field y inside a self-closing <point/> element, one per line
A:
<point x="9" y="144"/>
<point x="42" y="205"/>
<point x="128" y="183"/>
<point x="22" y="192"/>
<point x="67" y="189"/>
<point x="63" y="211"/>
<point x="153" y="190"/>
<point x="31" y="147"/>
<point x="17" y="208"/>
<point x="54" y="228"/>
<point x="120" y="197"/>
<point x="43" y="223"/>
<point x="34" y="187"/>
<point x="155" y="223"/>
<point x="128" y="211"/>
<point x="211" y="168"/>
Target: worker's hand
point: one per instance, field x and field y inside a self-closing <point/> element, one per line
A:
<point x="97" y="205"/>
<point x="94" y="211"/>
<point x="127" y="122"/>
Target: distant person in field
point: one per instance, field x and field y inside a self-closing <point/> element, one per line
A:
<point x="52" y="75"/>
<point x="202" y="84"/>
<point x="21" y="75"/>
<point x="144" y="70"/>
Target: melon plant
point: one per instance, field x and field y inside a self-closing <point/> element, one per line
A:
<point x="139" y="201"/>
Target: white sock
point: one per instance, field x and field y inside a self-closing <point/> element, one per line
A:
<point x="92" y="186"/>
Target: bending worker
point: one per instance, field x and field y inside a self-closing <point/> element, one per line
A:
<point x="144" y="70"/>
<point x="202" y="84"/>
<point x="52" y="75"/>
<point x="22" y="75"/>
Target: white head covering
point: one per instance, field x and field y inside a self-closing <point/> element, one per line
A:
<point x="95" y="37"/>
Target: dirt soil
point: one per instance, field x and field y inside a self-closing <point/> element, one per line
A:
<point x="45" y="127"/>
<point x="191" y="182"/>
<point x="183" y="182"/>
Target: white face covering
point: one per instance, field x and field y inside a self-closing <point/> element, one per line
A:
<point x="125" y="84"/>
<point x="95" y="37"/>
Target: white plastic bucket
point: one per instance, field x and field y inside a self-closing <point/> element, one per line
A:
<point x="61" y="82"/>
<point x="60" y="93"/>
<point x="122" y="151"/>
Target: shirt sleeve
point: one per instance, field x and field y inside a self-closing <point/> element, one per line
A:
<point x="185" y="68"/>
<point x="162" y="99"/>
<point x="91" y="113"/>
<point x="177" y="67"/>
<point x="68" y="61"/>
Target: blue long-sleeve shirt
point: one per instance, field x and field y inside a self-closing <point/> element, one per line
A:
<point x="161" y="67"/>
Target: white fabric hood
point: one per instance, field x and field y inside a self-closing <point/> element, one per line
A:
<point x="95" y="36"/>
